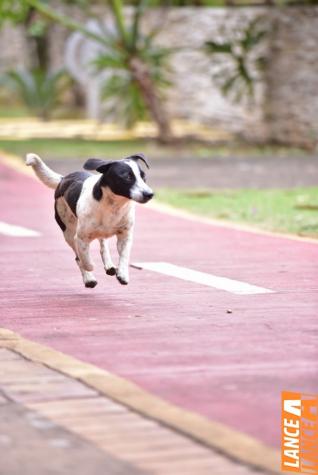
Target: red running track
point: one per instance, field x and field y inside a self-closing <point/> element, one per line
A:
<point x="171" y="337"/>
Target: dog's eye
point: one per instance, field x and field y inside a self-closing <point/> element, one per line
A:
<point x="143" y="175"/>
<point x="128" y="176"/>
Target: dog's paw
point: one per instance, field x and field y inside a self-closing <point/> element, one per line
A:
<point x="122" y="279"/>
<point x="91" y="284"/>
<point x="111" y="271"/>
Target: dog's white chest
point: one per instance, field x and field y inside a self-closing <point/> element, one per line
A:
<point x="104" y="218"/>
<point x="114" y="219"/>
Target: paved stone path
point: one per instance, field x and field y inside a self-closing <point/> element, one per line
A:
<point x="52" y="424"/>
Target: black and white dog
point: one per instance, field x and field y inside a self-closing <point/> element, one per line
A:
<point x="90" y="206"/>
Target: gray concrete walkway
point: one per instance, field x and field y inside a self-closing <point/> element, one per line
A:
<point x="223" y="172"/>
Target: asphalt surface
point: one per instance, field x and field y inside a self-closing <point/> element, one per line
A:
<point x="223" y="172"/>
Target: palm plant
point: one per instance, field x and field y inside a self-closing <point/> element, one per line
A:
<point x="39" y="91"/>
<point x="136" y="76"/>
<point x="239" y="75"/>
<point x="138" y="64"/>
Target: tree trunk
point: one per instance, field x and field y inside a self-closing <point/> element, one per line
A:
<point x="37" y="45"/>
<point x="141" y="75"/>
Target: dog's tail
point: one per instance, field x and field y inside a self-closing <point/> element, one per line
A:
<point x="43" y="172"/>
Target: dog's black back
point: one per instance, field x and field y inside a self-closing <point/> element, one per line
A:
<point x="70" y="188"/>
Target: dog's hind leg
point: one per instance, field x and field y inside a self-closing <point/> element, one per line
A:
<point x="88" y="277"/>
<point x="109" y="267"/>
<point x="67" y="222"/>
<point x="82" y="251"/>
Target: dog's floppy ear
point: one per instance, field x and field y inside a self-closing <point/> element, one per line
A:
<point x="139" y="156"/>
<point x="97" y="164"/>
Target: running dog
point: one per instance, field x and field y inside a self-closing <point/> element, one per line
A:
<point x="90" y="206"/>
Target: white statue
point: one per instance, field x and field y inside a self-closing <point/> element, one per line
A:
<point x="80" y="51"/>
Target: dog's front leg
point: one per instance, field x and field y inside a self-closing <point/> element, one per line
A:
<point x="106" y="257"/>
<point x="82" y="247"/>
<point x="124" y="243"/>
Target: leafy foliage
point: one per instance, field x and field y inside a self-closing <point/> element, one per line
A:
<point x="13" y="10"/>
<point x="16" y="11"/>
<point x="237" y="76"/>
<point x="139" y="61"/>
<point x="39" y="91"/>
<point x="121" y="89"/>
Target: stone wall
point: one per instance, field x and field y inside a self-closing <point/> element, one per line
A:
<point x="13" y="51"/>
<point x="194" y="94"/>
<point x="286" y="104"/>
<point x="291" y="107"/>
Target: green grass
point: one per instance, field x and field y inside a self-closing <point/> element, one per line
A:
<point x="81" y="148"/>
<point x="72" y="148"/>
<point x="244" y="149"/>
<point x="290" y="211"/>
<point x="12" y="112"/>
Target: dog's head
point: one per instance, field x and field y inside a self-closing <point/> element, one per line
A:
<point x="124" y="177"/>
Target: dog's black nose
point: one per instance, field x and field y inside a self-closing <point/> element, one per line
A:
<point x="148" y="195"/>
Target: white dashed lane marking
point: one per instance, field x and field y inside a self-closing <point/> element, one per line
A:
<point x="17" y="231"/>
<point x="222" y="283"/>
